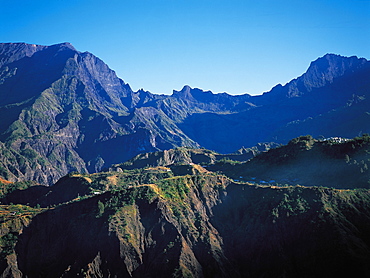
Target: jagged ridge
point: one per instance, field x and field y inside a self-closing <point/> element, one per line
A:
<point x="63" y="110"/>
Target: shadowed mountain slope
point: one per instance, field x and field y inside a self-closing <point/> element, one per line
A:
<point x="330" y="99"/>
<point x="333" y="162"/>
<point x="155" y="222"/>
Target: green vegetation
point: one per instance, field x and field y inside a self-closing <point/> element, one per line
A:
<point x="7" y="243"/>
<point x="291" y="203"/>
<point x="225" y="161"/>
<point x="112" y="181"/>
<point x="18" y="130"/>
<point x="333" y="162"/>
<point x="13" y="218"/>
<point x="196" y="201"/>
<point x="8" y="187"/>
<point x="29" y="153"/>
<point x="202" y="210"/>
<point x="174" y="189"/>
<point x="100" y="209"/>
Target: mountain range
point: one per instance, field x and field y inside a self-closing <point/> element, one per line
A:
<point x="63" y="110"/>
<point x="97" y="180"/>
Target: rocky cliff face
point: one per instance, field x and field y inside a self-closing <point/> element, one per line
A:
<point x="62" y="110"/>
<point x="155" y="223"/>
<point x="57" y="103"/>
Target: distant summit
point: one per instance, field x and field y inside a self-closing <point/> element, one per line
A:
<point x="326" y="69"/>
<point x="322" y="72"/>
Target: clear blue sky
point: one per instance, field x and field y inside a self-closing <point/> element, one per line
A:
<point x="219" y="45"/>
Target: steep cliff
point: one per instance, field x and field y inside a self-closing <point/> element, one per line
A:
<point x="155" y="222"/>
<point x="56" y="103"/>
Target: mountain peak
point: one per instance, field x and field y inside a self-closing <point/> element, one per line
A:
<point x="188" y="92"/>
<point x="325" y="69"/>
<point x="186" y="88"/>
<point x="64" y="45"/>
<point x="336" y="61"/>
<point x="184" y="91"/>
<point x="34" y="47"/>
<point x="10" y="52"/>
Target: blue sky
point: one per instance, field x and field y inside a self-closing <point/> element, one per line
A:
<point x="223" y="46"/>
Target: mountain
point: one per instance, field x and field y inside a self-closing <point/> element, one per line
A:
<point x="159" y="222"/>
<point x="63" y="110"/>
<point x="330" y="99"/>
<point x="183" y="155"/>
<point x="333" y="162"/>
